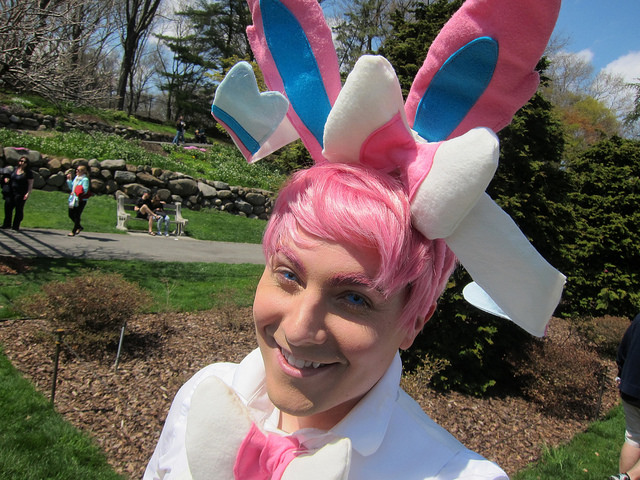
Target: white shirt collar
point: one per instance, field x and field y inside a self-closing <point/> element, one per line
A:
<point x="366" y="424"/>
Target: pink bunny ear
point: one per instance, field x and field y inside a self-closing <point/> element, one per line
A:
<point x="294" y="48"/>
<point x="480" y="69"/>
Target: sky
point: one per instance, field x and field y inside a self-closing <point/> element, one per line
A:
<point x="607" y="33"/>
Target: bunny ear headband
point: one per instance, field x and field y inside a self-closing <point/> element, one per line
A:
<point x="478" y="72"/>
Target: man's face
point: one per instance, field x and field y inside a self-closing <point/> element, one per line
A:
<point x="326" y="334"/>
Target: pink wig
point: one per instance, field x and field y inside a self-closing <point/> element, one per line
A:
<point x="362" y="207"/>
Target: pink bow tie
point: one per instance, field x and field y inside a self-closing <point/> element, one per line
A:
<point x="265" y="456"/>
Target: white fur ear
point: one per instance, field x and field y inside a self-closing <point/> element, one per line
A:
<point x="461" y="171"/>
<point x="370" y="98"/>
<point x="331" y="462"/>
<point x="217" y="424"/>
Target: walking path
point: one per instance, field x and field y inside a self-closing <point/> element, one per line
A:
<point x="34" y="242"/>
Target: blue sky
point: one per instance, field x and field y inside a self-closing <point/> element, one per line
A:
<point x="607" y="33"/>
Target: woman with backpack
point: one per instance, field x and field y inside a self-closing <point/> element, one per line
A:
<point x="80" y="192"/>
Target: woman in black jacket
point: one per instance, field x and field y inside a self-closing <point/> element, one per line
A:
<point x="20" y="184"/>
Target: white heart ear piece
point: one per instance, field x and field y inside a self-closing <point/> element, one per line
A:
<point x="255" y="121"/>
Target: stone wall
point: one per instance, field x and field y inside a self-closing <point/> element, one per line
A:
<point x="116" y="177"/>
<point x="15" y="118"/>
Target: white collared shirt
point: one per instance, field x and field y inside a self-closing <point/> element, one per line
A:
<point x="391" y="437"/>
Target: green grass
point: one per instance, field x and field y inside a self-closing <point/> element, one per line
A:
<point x="174" y="287"/>
<point x="221" y="161"/>
<point x="49" y="210"/>
<point x="35" y="442"/>
<point x="592" y="455"/>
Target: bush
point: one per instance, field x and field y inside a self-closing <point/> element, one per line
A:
<point x="472" y="343"/>
<point x="417" y="381"/>
<point x="606" y="333"/>
<point x="562" y="374"/>
<point x="90" y="307"/>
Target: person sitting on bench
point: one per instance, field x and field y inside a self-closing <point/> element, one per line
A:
<point x="144" y="210"/>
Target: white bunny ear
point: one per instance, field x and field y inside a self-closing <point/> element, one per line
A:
<point x="256" y="121"/>
<point x="370" y="98"/>
<point x="515" y="281"/>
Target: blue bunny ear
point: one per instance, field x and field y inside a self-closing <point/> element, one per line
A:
<point x="480" y="69"/>
<point x="455" y="89"/>
<point x="293" y="45"/>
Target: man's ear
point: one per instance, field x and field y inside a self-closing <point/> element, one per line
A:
<point x="417" y="327"/>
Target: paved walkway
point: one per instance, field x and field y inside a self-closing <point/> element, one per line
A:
<point x="33" y="242"/>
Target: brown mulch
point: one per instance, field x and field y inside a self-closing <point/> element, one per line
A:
<point x="124" y="410"/>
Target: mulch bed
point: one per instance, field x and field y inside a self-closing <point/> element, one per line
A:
<point x="124" y="410"/>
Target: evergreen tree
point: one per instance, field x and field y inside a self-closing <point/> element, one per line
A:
<point x="605" y="275"/>
<point x="411" y="36"/>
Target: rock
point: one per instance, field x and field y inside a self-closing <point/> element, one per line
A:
<point x="124" y="177"/>
<point x="97" y="186"/>
<point x="183" y="187"/>
<point x="149" y="180"/>
<point x="113" y="164"/>
<point x="243" y="207"/>
<point x="134" y="190"/>
<point x="220" y="185"/>
<point x="206" y="190"/>
<point x="226" y="195"/>
<point x="255" y="198"/>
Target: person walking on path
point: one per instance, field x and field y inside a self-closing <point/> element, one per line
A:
<point x="19" y="185"/>
<point x="80" y="192"/>
<point x="628" y="360"/>
<point x="180" y="128"/>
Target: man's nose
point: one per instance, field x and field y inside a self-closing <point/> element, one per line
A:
<point x="305" y="322"/>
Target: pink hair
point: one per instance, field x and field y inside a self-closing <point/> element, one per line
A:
<point x="359" y="206"/>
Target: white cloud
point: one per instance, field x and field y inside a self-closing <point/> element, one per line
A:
<point x="627" y="66"/>
<point x="585" y="55"/>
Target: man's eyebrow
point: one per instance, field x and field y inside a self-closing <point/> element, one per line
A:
<point x="290" y="257"/>
<point x="353" y="279"/>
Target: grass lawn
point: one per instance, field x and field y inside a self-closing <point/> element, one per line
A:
<point x="49" y="210"/>
<point x="174" y="287"/>
<point x="592" y="455"/>
<point x="36" y="443"/>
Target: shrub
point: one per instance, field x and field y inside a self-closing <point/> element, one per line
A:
<point x="475" y="353"/>
<point x="606" y="333"/>
<point x="561" y="373"/>
<point x="417" y="381"/>
<point x="90" y="307"/>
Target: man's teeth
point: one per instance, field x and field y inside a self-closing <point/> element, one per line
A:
<point x="299" y="363"/>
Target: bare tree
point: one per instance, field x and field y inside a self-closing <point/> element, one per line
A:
<point x="135" y="19"/>
<point x="55" y="48"/>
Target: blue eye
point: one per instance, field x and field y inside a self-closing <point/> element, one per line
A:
<point x="355" y="299"/>
<point x="290" y="276"/>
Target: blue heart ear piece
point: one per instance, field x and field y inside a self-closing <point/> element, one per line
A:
<point x="441" y="142"/>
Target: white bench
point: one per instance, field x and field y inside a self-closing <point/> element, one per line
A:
<point x="127" y="212"/>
